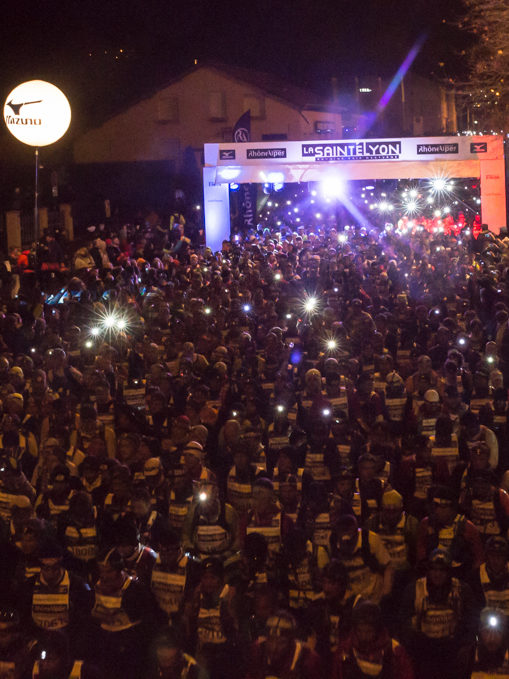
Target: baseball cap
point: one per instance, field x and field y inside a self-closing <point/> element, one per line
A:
<point x="194" y="448"/>
<point x="392" y="499"/>
<point x="152" y="466"/>
<point x="183" y="421"/>
<point x="439" y="557"/>
<point x="394" y="379"/>
<point x="431" y="396"/>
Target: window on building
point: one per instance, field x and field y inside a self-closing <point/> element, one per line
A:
<point x="325" y="127"/>
<point x="168" y="109"/>
<point x="217" y="106"/>
<point x="254" y="104"/>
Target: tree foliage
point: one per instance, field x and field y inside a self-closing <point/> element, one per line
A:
<point x="487" y="90"/>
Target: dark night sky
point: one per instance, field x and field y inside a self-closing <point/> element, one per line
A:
<point x="306" y="41"/>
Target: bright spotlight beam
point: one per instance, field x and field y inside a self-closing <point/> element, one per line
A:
<point x="310" y="305"/>
<point x="333" y="187"/>
<point x="114" y="322"/>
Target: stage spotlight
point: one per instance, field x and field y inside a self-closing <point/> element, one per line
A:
<point x="333" y="187"/>
<point x="229" y="173"/>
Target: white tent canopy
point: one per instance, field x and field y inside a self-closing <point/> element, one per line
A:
<point x="351" y="159"/>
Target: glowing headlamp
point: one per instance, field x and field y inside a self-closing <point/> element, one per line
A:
<point x="310" y="304"/>
<point x="203" y="497"/>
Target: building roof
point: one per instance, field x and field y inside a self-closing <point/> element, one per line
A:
<point x="275" y="86"/>
<point x="272" y="85"/>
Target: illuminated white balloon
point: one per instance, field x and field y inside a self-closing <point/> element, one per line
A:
<point x="37" y="113"/>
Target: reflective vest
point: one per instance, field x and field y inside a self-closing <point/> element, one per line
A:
<point x="449" y="454"/>
<point x="395" y="408"/>
<point x="211" y="539"/>
<point x="81" y="542"/>
<point x="50" y="606"/>
<point x="394" y="542"/>
<point x="108" y="610"/>
<point x="177" y="511"/>
<point x="55" y="510"/>
<point x="6" y="502"/>
<point x="277" y="441"/>
<point x="315" y="465"/>
<point x="344" y="451"/>
<point x="484" y="516"/>
<point x="145" y="530"/>
<point x="168" y="587"/>
<point x="276" y="483"/>
<point x="423" y="481"/>
<point x="360" y="575"/>
<point x="371" y="503"/>
<point x="340" y="402"/>
<point x="75" y="671"/>
<point x="300" y="579"/>
<point x="501" y="672"/>
<point x="436" y="621"/>
<point x="210" y="628"/>
<point x="477" y="403"/>
<point x="447" y="534"/>
<point x="107" y="419"/>
<point x="495" y="598"/>
<point x="272" y="533"/>
<point x="239" y="492"/>
<point x="115" y="511"/>
<point x="83" y="440"/>
<point x="427" y="426"/>
<point x="321" y="530"/>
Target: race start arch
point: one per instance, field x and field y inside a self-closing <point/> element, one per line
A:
<point x="350" y="159"/>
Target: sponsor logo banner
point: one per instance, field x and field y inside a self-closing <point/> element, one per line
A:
<point x="479" y="147"/>
<point x="437" y="149"/>
<point x="358" y="150"/>
<point x="227" y="154"/>
<point x="254" y="154"/>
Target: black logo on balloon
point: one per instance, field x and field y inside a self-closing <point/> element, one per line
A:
<point x="16" y="108"/>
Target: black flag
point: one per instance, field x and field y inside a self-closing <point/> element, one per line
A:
<point x="247" y="193"/>
<point x="242" y="129"/>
